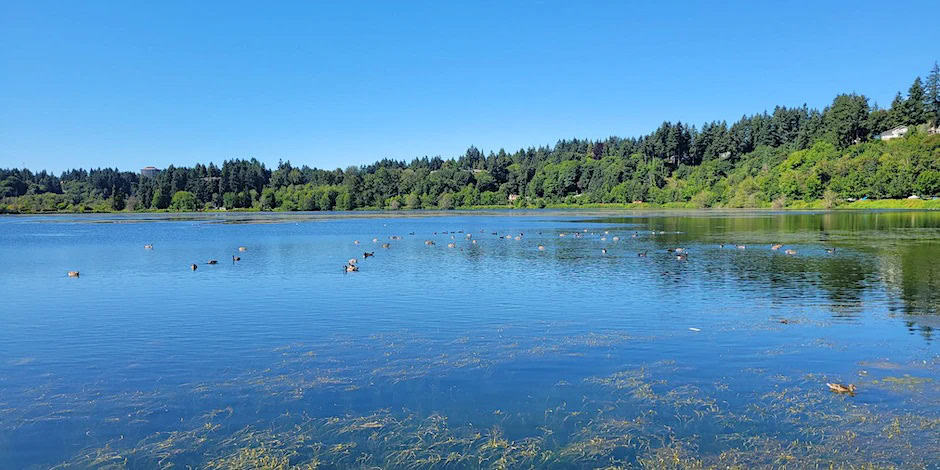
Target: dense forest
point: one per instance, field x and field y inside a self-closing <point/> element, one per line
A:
<point x="789" y="156"/>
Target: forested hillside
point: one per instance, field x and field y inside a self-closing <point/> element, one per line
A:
<point x="778" y="158"/>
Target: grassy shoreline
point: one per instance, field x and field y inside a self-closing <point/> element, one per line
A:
<point x="871" y="204"/>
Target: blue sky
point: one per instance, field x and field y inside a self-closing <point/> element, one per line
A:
<point x="329" y="84"/>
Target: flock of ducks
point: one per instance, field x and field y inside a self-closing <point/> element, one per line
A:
<point x="352" y="265"/>
<point x="681" y="254"/>
<point x="193" y="267"/>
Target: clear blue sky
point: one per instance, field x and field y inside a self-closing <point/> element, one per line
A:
<point x="328" y="84"/>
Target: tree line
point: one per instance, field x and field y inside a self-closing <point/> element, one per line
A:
<point x="769" y="158"/>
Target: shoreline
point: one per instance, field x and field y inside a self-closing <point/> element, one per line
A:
<point x="817" y="205"/>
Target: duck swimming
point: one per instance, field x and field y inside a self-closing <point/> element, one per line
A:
<point x="350" y="268"/>
<point x="148" y="247"/>
<point x="366" y="255"/>
<point x="776" y="247"/>
<point x="212" y="261"/>
<point x="385" y="245"/>
<point x="236" y="258"/>
<point x="839" y="388"/>
<point x="194" y="266"/>
<point x="241" y="248"/>
<point x="790" y="252"/>
<point x="541" y="247"/>
<point x="73" y="274"/>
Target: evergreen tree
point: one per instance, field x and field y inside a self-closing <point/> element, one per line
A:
<point x="896" y="115"/>
<point x="117" y="200"/>
<point x="847" y="120"/>
<point x="914" y="111"/>
<point x="932" y="95"/>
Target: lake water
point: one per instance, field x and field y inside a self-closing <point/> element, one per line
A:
<point x="487" y="354"/>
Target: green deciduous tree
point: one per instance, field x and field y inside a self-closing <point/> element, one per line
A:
<point x="183" y="201"/>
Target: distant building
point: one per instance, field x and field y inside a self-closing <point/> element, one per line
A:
<point x="149" y="171"/>
<point x="893" y="133"/>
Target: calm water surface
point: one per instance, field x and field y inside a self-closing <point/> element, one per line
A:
<point x="487" y="354"/>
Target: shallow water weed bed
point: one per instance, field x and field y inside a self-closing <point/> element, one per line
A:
<point x="630" y="418"/>
<point x="583" y="354"/>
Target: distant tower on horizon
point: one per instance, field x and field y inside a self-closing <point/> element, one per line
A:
<point x="149" y="171"/>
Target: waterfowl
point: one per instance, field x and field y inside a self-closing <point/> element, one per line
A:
<point x="830" y="250"/>
<point x="193" y="267"/>
<point x="839" y="388"/>
<point x="73" y="273"/>
<point x="352" y="261"/>
<point x="212" y="261"/>
<point x="385" y="245"/>
<point x="350" y="268"/>
<point x="451" y="245"/>
<point x="635" y="234"/>
<point x="241" y="248"/>
<point x="604" y="251"/>
<point x="642" y="254"/>
<point x="682" y="256"/>
<point x="603" y="239"/>
<point x="375" y="240"/>
<point x="721" y="245"/>
<point x="148" y="247"/>
<point x="616" y="239"/>
<point x="561" y="234"/>
<point x="742" y="247"/>
<point x="680" y="250"/>
<point x="508" y="237"/>
<point x="429" y="242"/>
<point x="541" y="247"/>
<point x="776" y="247"/>
<point x="236" y="258"/>
<point x="518" y="238"/>
<point x="790" y="252"/>
<point x="469" y="235"/>
<point x="355" y="242"/>
<point x="366" y="255"/>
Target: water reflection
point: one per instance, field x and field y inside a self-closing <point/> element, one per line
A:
<point x="491" y="353"/>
